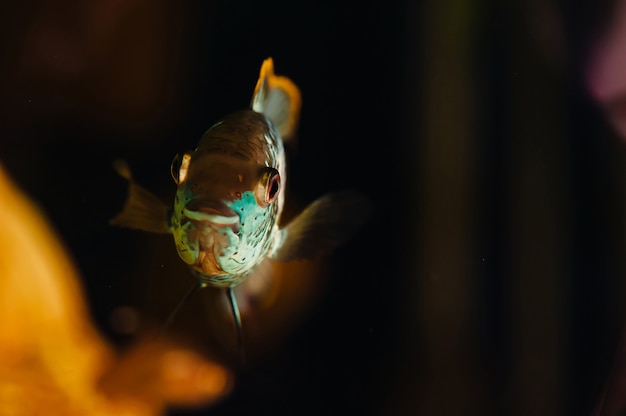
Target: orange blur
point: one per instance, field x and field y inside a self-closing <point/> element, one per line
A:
<point x="52" y="359"/>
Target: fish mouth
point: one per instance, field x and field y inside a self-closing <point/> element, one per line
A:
<point x="214" y="212"/>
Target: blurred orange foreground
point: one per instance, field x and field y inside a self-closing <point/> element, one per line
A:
<point x="52" y="359"/>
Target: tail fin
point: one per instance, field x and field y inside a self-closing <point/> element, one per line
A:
<point x="278" y="98"/>
<point x="143" y="210"/>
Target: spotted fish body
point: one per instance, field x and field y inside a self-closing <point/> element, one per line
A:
<point x="226" y="212"/>
<point x="243" y="152"/>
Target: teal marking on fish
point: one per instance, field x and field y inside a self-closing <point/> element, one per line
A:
<point x="226" y="212"/>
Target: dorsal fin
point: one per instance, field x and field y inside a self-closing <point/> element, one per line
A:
<point x="278" y="98"/>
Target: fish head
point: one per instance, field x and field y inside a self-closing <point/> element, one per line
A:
<point x="225" y="212"/>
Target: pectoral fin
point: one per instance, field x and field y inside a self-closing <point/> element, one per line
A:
<point x="142" y="210"/>
<point x="325" y="224"/>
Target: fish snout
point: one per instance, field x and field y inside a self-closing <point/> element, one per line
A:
<point x="214" y="212"/>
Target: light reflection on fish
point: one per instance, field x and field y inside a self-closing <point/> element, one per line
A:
<point x="226" y="212"/>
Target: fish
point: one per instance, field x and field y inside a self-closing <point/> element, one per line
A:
<point x="226" y="215"/>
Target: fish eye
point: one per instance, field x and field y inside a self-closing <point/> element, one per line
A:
<point x="268" y="187"/>
<point x="175" y="168"/>
<point x="179" y="167"/>
<point x="273" y="186"/>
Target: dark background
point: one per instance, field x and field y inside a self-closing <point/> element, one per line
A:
<point x="489" y="280"/>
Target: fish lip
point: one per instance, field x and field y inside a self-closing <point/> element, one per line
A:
<point x="214" y="212"/>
